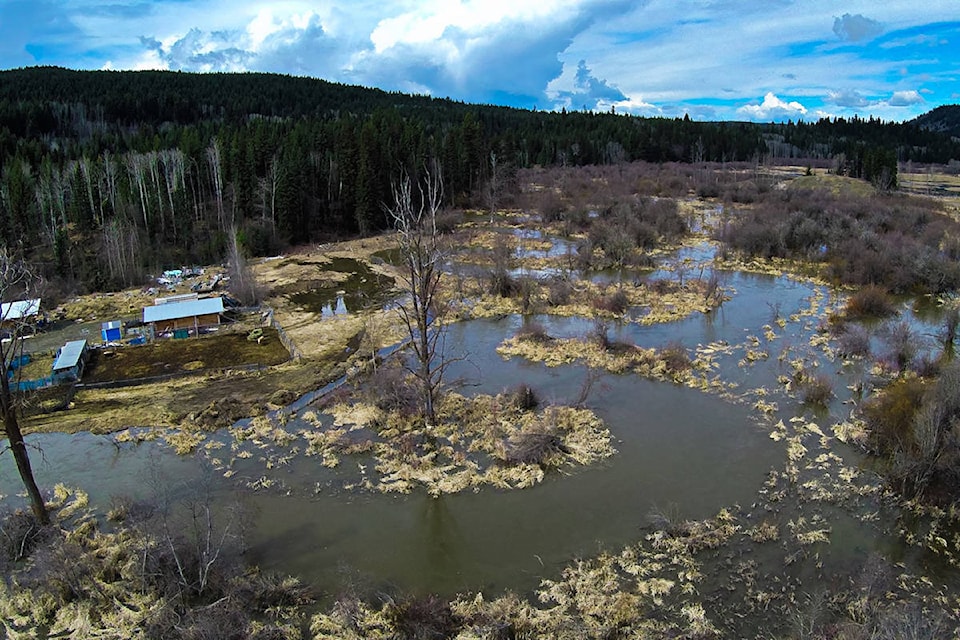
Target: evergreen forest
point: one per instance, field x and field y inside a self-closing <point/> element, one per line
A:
<point x="106" y="176"/>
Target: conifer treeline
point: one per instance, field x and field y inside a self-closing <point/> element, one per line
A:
<point x="108" y="174"/>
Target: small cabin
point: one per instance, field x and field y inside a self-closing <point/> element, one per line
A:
<point x="70" y="361"/>
<point x="184" y="318"/>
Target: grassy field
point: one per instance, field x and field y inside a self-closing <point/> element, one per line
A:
<point x="217" y="351"/>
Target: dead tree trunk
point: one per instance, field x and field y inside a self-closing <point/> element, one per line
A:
<point x="16" y="280"/>
<point x="416" y="224"/>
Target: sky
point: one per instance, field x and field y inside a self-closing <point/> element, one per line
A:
<point x="760" y="60"/>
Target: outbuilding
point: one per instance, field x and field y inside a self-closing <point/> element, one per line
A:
<point x="70" y="361"/>
<point x="19" y="310"/>
<point x="180" y="319"/>
<point x="111" y="331"/>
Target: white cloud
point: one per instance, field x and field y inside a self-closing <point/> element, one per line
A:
<point x="773" y="108"/>
<point x="644" y="56"/>
<point x="582" y="89"/>
<point x="430" y="21"/>
<point x="905" y="98"/>
<point x="848" y="98"/>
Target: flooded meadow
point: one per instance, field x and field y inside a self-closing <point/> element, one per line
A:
<point x="694" y="483"/>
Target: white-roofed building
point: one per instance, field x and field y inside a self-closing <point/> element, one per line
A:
<point x="70" y="362"/>
<point x="19" y="310"/>
<point x="181" y="319"/>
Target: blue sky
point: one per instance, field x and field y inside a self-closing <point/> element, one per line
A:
<point x="757" y="60"/>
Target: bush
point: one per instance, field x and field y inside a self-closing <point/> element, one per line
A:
<point x="559" y="291"/>
<point x="392" y="389"/>
<point x="20" y="534"/>
<point x="535" y="447"/>
<point x="871" y="301"/>
<point x="523" y="398"/>
<point x="663" y="286"/>
<point x="853" y="340"/>
<point x="675" y="358"/>
<point x="816" y="390"/>
<point x="900" y="345"/>
<point x="889" y="415"/>
<point x="616" y="302"/>
<point x="534" y="332"/>
<point x="448" y="220"/>
<point x="424" y="617"/>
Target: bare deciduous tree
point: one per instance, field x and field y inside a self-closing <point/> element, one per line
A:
<point x="243" y="284"/>
<point x="414" y="216"/>
<point x="16" y="280"/>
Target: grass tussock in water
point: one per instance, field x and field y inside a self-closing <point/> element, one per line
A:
<point x="672" y="363"/>
<point x="503" y="441"/>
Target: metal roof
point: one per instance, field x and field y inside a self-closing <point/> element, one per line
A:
<point x="69" y="354"/>
<point x="113" y="324"/>
<point x="19" y="309"/>
<point x="187" y="309"/>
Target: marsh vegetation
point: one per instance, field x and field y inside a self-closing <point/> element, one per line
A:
<point x="676" y="401"/>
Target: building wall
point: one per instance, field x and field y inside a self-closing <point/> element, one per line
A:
<point x="166" y="326"/>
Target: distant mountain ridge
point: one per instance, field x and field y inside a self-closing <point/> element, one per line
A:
<point x="944" y="119"/>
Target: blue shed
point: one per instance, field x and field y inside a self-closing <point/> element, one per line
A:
<point x="111" y="331"/>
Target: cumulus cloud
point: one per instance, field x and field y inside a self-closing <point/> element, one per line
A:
<point x="291" y="44"/>
<point x="856" y="28"/>
<point x="588" y="91"/>
<point x="773" y="108"/>
<point x="848" y="98"/>
<point x="644" y="57"/>
<point x="905" y="98"/>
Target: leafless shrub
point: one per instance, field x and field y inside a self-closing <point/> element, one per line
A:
<point x="392" y="389"/>
<point x="20" y="534"/>
<point x="559" y="291"/>
<point x="900" y="344"/>
<point x="448" y="220"/>
<point x="870" y="301"/>
<point x="616" y="302"/>
<point x="889" y="415"/>
<point x="125" y="509"/>
<point x="675" y="358"/>
<point x="910" y="621"/>
<point x="600" y="334"/>
<point x="949" y="328"/>
<point x="587" y="387"/>
<point x="550" y="205"/>
<point x="500" y="281"/>
<point x="533" y="332"/>
<point x="894" y="242"/>
<point x="523" y="398"/>
<point x="816" y="390"/>
<point x="423" y="618"/>
<point x="526" y="289"/>
<point x="668" y="519"/>
<point x="534" y="447"/>
<point x="663" y="286"/>
<point x="927" y="366"/>
<point x="853" y="340"/>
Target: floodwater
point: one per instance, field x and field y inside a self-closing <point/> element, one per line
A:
<point x="679" y="450"/>
<point x="362" y="289"/>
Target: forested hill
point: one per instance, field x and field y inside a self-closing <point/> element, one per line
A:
<point x="107" y="174"/>
<point x="945" y="119"/>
